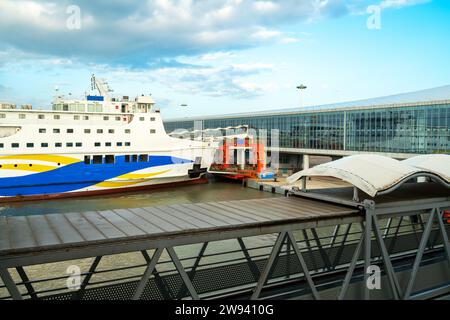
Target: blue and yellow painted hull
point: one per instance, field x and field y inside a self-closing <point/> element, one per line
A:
<point x="45" y="176"/>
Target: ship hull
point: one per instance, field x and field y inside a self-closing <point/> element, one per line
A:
<point x="92" y="193"/>
<point x="50" y="176"/>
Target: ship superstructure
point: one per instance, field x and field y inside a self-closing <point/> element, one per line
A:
<point x="94" y="145"/>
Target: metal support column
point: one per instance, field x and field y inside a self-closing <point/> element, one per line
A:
<point x="10" y="284"/>
<point x="308" y="245"/>
<point x="351" y="268"/>
<point x="342" y="246"/>
<point x="420" y="251"/>
<point x="303" y="265"/>
<point x="334" y="236"/>
<point x="147" y="274"/>
<point x="393" y="282"/>
<point x="182" y="272"/>
<point x="370" y="208"/>
<point x="252" y="265"/>
<point x="269" y="264"/>
<point x="322" y="252"/>
<point x="394" y="239"/>
<point x="26" y="282"/>
<point x="160" y="283"/>
<point x="193" y="270"/>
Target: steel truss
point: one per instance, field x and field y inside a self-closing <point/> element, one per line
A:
<point x="310" y="255"/>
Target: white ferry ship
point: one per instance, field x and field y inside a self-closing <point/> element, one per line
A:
<point x="94" y="145"/>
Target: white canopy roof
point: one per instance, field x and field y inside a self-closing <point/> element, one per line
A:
<point x="438" y="164"/>
<point x="374" y="173"/>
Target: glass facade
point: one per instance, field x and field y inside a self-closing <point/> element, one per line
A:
<point x="406" y="129"/>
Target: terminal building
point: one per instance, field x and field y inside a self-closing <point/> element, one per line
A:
<point x="399" y="126"/>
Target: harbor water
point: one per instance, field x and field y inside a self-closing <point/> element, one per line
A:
<point x="214" y="190"/>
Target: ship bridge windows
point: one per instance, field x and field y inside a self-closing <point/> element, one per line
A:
<point x="94" y="107"/>
<point x="76" y="107"/>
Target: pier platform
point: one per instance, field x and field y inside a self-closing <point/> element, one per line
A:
<point x="320" y="247"/>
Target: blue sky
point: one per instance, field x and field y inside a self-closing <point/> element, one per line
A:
<point x="223" y="56"/>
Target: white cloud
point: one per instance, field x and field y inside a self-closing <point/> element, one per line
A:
<point x="227" y="79"/>
<point x="137" y="31"/>
<point x="266" y="6"/>
<point x="263" y="34"/>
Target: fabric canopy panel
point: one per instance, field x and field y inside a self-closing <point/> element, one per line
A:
<point x="374" y="173"/>
<point x="438" y="164"/>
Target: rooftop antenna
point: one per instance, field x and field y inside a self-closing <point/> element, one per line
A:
<point x="300" y="88"/>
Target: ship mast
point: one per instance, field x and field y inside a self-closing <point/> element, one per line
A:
<point x="101" y="86"/>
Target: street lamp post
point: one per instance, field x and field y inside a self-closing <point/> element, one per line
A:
<point x="300" y="88"/>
